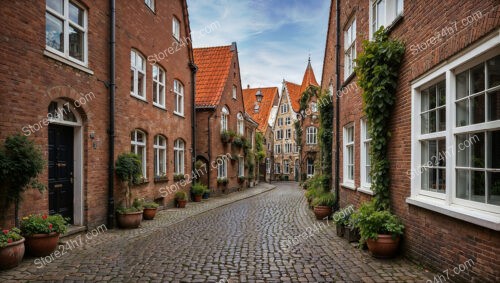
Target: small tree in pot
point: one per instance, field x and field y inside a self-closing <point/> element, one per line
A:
<point x="198" y="190"/>
<point x="149" y="209"/>
<point x="181" y="199"/>
<point x="128" y="170"/>
<point x="323" y="204"/>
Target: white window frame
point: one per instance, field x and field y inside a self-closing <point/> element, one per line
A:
<point x="288" y="120"/>
<point x="224" y="119"/>
<point x="349" y="49"/>
<point x="280" y="121"/>
<point x="176" y="28"/>
<point x="235" y="92"/>
<point x="365" y="158"/>
<point x="348" y="144"/>
<point x="66" y="24"/>
<point x="312" y="135"/>
<point x="241" y="167"/>
<point x="268" y="165"/>
<point x="179" y="98"/>
<point x="222" y="168"/>
<point x="240" y="124"/>
<point x="150" y="4"/>
<point x="137" y="146"/>
<point x="160" y="152"/>
<point x="286" y="166"/>
<point x="284" y="108"/>
<point x="134" y="55"/>
<point x="158" y="83"/>
<point x="392" y="10"/>
<point x="314" y="107"/>
<point x="288" y="134"/>
<point x="179" y="155"/>
<point x="486" y="215"/>
<point x="277" y="148"/>
<point x="310" y="167"/>
<point x="277" y="168"/>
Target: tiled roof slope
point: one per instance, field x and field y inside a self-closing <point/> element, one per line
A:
<point x="309" y="78"/>
<point x="295" y="91"/>
<point x="265" y="106"/>
<point x="213" y="64"/>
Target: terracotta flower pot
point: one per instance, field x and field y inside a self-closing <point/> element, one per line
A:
<point x="322" y="212"/>
<point x="149" y="213"/>
<point x="340" y="230"/>
<point x="12" y="254"/>
<point x="129" y="220"/>
<point x="41" y="244"/>
<point x="197" y="198"/>
<point x="384" y="247"/>
<point x="181" y="203"/>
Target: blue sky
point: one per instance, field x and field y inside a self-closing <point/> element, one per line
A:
<point x="274" y="37"/>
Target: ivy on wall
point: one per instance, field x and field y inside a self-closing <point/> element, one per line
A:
<point x="377" y="69"/>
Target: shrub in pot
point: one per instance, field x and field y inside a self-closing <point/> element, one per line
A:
<point x="380" y="229"/>
<point x="149" y="209"/>
<point x="198" y="189"/>
<point x="310" y="194"/>
<point x="222" y="181"/>
<point x="128" y="169"/>
<point x="323" y="204"/>
<point x="42" y="233"/>
<point x="181" y="199"/>
<point x="206" y="194"/>
<point x="11" y="248"/>
<point x="341" y="219"/>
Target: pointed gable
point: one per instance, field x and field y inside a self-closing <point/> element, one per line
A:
<point x="309" y="78"/>
<point x="264" y="107"/>
<point x="295" y="91"/>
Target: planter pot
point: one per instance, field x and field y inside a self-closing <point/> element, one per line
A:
<point x="322" y="212"/>
<point x="181" y="203"/>
<point x="206" y="195"/>
<point x="12" y="254"/>
<point x="129" y="220"/>
<point x="197" y="198"/>
<point x="340" y="230"/>
<point x="351" y="234"/>
<point x="384" y="247"/>
<point x="149" y="213"/>
<point x="41" y="244"/>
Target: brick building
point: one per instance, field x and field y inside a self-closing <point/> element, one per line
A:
<point x="220" y="110"/>
<point x="55" y="88"/>
<point x="259" y="103"/>
<point x="446" y="105"/>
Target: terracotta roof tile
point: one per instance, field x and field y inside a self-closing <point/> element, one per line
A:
<point x="213" y="64"/>
<point x="265" y="106"/>
<point x="295" y="91"/>
<point x="309" y="78"/>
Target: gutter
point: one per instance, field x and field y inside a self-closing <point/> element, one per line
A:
<point x="337" y="104"/>
<point x="111" y="132"/>
<point x="194" y="69"/>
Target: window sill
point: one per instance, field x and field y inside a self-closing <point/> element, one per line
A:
<point x="348" y="80"/>
<point x="143" y="99"/>
<point x="159" y="106"/>
<point x="68" y="62"/>
<point x="349" y="186"/>
<point x="474" y="216"/>
<point x="179" y="114"/>
<point x="366" y="190"/>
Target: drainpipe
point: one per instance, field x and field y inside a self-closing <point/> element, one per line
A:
<point x="209" y="149"/>
<point x="111" y="132"/>
<point x="337" y="106"/>
<point x="194" y="69"/>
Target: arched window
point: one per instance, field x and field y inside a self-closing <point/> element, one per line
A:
<point x="241" y="124"/>
<point x="312" y="135"/>
<point x="138" y="146"/>
<point x="179" y="156"/>
<point x="223" y="119"/>
<point x="179" y="98"/>
<point x="314" y="107"/>
<point x="235" y="91"/>
<point x="138" y="75"/>
<point x="158" y="86"/>
<point x="160" y="149"/>
<point x="61" y="112"/>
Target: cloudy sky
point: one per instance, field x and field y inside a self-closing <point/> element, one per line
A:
<point x="274" y="37"/>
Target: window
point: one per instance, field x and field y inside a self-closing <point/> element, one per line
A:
<point x="66" y="30"/>
<point x="158" y="86"/>
<point x="160" y="150"/>
<point x="288" y="120"/>
<point x="176" y="29"/>
<point x="286" y="166"/>
<point x="179" y="98"/>
<point x="314" y="107"/>
<point x="348" y="155"/>
<point x="455" y="153"/>
<point x="277" y="148"/>
<point x="138" y="146"/>
<point x="241" y="124"/>
<point x="235" y="91"/>
<point x="223" y="119"/>
<point x="310" y="167"/>
<point x="241" y="167"/>
<point x="222" y="168"/>
<point x="280" y="121"/>
<point x="268" y="165"/>
<point x="137" y="75"/>
<point x="279" y="134"/>
<point x="311" y="135"/>
<point x="150" y="4"/>
<point x="288" y="134"/>
<point x="179" y="156"/>
<point x="284" y="108"/>
<point x="277" y="168"/>
<point x="365" y="155"/>
<point x="384" y="13"/>
<point x="288" y="148"/>
<point x="349" y="49"/>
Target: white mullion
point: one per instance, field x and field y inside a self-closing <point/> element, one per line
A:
<point x="450" y="120"/>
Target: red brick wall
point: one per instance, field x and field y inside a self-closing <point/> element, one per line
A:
<point x="437" y="241"/>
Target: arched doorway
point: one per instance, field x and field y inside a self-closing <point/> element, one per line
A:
<point x="65" y="166"/>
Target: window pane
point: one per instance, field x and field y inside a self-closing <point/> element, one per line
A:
<point x="494" y="188"/>
<point x="132" y="80"/>
<point x="477" y="109"/>
<point x="56" y="5"/>
<point x="155" y="92"/>
<point x="425" y="100"/>
<point x="442" y="119"/>
<point x="155" y="73"/>
<point x="75" y="43"/>
<point x="494" y="105"/>
<point x="441" y="89"/>
<point x="75" y="14"/>
<point x="462" y="113"/>
<point x="140" y="137"/>
<point x="477" y="150"/>
<point x="462" y="151"/>
<point x="494" y="149"/>
<point x="54" y="36"/>
<point x="462" y="85"/>
<point x="441" y="157"/>
<point x="432" y="97"/>
<point x="162" y="161"/>
<point x="432" y="121"/>
<point x="493" y="66"/>
<point x="441" y="185"/>
<point x="463" y="180"/>
<point x="140" y="84"/>
<point x="425" y="123"/>
<point x="477" y="78"/>
<point x="478" y="186"/>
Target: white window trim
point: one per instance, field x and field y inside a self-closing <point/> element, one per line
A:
<point x="135" y="92"/>
<point x="286" y="166"/>
<point x="448" y="204"/>
<point x="241" y="167"/>
<point x="235" y="92"/>
<point x="179" y="156"/>
<point x="349" y="183"/>
<point x="136" y="146"/>
<point x="365" y="186"/>
<point x="240" y="124"/>
<point x="308" y="166"/>
<point x="66" y="22"/>
<point x="160" y="82"/>
<point x="349" y="64"/>
<point x="389" y="7"/>
<point x="311" y="136"/>
<point x="176" y="28"/>
<point x="179" y="94"/>
<point x="152" y="2"/>
<point x="157" y="148"/>
<point x="222" y="169"/>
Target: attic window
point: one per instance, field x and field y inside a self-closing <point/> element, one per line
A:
<point x="256" y="108"/>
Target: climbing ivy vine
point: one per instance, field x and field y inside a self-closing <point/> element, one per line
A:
<point x="377" y="69"/>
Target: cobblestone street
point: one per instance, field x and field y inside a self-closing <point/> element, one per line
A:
<point x="238" y="237"/>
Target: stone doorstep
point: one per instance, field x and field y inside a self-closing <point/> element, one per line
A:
<point x="72" y="230"/>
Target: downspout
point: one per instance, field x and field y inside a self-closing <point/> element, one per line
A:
<point x="337" y="104"/>
<point x="209" y="149"/>
<point x="111" y="132"/>
<point x="194" y="69"/>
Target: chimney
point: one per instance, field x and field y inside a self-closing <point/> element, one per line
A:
<point x="233" y="46"/>
<point x="248" y="86"/>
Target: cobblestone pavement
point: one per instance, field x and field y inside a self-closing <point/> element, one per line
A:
<point x="236" y="238"/>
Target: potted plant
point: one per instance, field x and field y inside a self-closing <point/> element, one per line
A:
<point x="238" y="141"/>
<point x="241" y="179"/>
<point x="162" y="177"/>
<point x="380" y="229"/>
<point x="128" y="170"/>
<point x="227" y="136"/>
<point x="179" y="177"/>
<point x="11" y="248"/>
<point x="149" y="209"/>
<point x="323" y="204"/>
<point x="42" y="233"/>
<point x="198" y="189"/>
<point x="20" y="163"/>
<point x="222" y="181"/>
<point x="341" y="219"/>
<point x="310" y="194"/>
<point x="206" y="194"/>
<point x="181" y="199"/>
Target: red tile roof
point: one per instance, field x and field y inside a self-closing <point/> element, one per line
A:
<point x="309" y="78"/>
<point x="213" y="64"/>
<point x="295" y="91"/>
<point x="265" y="106"/>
